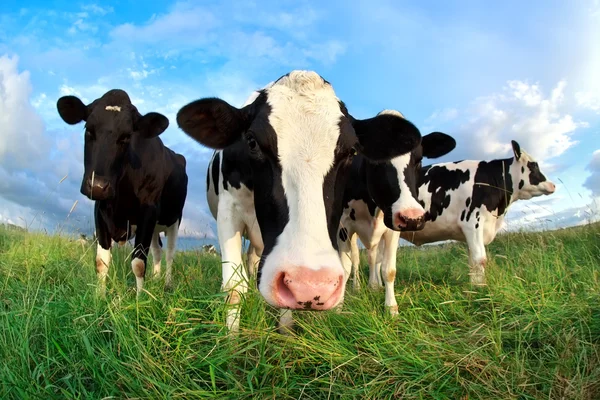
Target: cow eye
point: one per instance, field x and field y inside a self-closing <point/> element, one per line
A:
<point x="90" y="135"/>
<point x="353" y="151"/>
<point x="252" y="144"/>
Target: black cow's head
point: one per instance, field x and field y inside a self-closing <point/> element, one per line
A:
<point x="394" y="184"/>
<point x="301" y="140"/>
<point x="112" y="124"/>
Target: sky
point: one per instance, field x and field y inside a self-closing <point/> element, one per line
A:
<point x="484" y="72"/>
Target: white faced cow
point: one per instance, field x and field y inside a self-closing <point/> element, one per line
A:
<point x="138" y="184"/>
<point x="467" y="201"/>
<point x="379" y="196"/>
<point x="279" y="177"/>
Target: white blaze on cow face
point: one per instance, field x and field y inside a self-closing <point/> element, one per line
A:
<point x="303" y="270"/>
<point x="113" y="108"/>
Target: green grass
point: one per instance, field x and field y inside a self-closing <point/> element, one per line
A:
<point x="533" y="333"/>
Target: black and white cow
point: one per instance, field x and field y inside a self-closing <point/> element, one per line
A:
<point x="468" y="200"/>
<point x="279" y="176"/>
<point x="374" y="200"/>
<point x="138" y="184"/>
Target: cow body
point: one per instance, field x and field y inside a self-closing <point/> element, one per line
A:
<point x="371" y="197"/>
<point x="467" y="201"/>
<point x="138" y="184"/>
<point x="278" y="177"/>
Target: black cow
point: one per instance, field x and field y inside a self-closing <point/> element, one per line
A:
<point x="138" y="184"/>
<point x="280" y="177"/>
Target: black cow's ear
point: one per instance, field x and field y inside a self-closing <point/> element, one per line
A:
<point x="213" y="122"/>
<point x="437" y="144"/>
<point x="151" y="125"/>
<point x="516" y="149"/>
<point x="72" y="110"/>
<point x="385" y="136"/>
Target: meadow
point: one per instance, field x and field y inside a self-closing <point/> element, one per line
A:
<point x="533" y="332"/>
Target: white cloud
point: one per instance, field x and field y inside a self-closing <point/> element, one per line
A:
<point x="589" y="100"/>
<point x="521" y="112"/>
<point x="21" y="129"/>
<point x="593" y="181"/>
<point x="98" y="10"/>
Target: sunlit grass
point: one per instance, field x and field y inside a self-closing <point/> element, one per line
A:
<point x="534" y="332"/>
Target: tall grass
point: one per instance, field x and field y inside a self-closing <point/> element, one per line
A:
<point x="533" y="332"/>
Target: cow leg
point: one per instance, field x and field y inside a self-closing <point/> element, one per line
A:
<point x="256" y="247"/>
<point x="345" y="250"/>
<point x="172" y="235"/>
<point x="253" y="260"/>
<point x="379" y="260"/>
<point x="355" y="257"/>
<point x="156" y="250"/>
<point x="477" y="256"/>
<point x="391" y="239"/>
<point x="230" y="227"/>
<point x="143" y="238"/>
<point x="374" y="269"/>
<point x="286" y="322"/>
<point x="103" y="256"/>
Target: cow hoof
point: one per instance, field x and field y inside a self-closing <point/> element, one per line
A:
<point x="393" y="310"/>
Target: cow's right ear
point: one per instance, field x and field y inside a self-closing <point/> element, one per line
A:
<point x="437" y="144"/>
<point x="72" y="110"/>
<point x="212" y="122"/>
<point x="385" y="136"/>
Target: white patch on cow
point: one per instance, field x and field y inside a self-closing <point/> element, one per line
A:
<point x="156" y="251"/>
<point x="113" y="108"/>
<point x="304" y="114"/>
<point x="103" y="258"/>
<point x="406" y="201"/>
<point x="211" y="196"/>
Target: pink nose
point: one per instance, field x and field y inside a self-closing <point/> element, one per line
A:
<point x="307" y="289"/>
<point x="551" y="187"/>
<point x="411" y="218"/>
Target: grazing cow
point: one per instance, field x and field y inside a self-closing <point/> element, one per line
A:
<point x="372" y="198"/>
<point x="279" y="176"/>
<point x="467" y="201"/>
<point x="138" y="184"/>
<point x="209" y="249"/>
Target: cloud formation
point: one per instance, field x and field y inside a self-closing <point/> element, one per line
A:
<point x="593" y="181"/>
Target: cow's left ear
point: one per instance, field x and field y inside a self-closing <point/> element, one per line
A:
<point x="385" y="136"/>
<point x="516" y="149"/>
<point x="151" y="125"/>
<point x="437" y="144"/>
<point x="72" y="110"/>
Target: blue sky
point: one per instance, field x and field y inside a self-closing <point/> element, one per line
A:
<point x="484" y="72"/>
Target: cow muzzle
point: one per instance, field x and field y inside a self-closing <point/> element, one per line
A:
<point x="409" y="220"/>
<point x="302" y="288"/>
<point x="97" y="188"/>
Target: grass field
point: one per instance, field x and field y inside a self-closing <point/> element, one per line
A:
<point x="534" y="332"/>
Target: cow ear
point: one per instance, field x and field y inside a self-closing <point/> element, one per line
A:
<point x="385" y="136"/>
<point x="151" y="125"/>
<point x="437" y="144"/>
<point x="72" y="110"/>
<point x="212" y="122"/>
<point x="516" y="149"/>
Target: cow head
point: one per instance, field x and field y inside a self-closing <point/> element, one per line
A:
<point x="393" y="184"/>
<point x="301" y="140"/>
<point x="527" y="176"/>
<point x="112" y="124"/>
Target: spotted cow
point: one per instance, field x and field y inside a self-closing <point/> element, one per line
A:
<point x="377" y="197"/>
<point x="279" y="175"/>
<point x="138" y="185"/>
<point x="468" y="200"/>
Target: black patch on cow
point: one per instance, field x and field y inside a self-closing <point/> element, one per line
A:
<point x="468" y="201"/>
<point x="477" y="225"/>
<point x="356" y="188"/>
<point x="462" y="215"/>
<point x="343" y="234"/>
<point x="215" y="173"/>
<point x="522" y="170"/>
<point x="521" y="184"/>
<point x="477" y="214"/>
<point x="353" y="214"/>
<point x="535" y="175"/>
<point x="439" y="177"/>
<point x="493" y="186"/>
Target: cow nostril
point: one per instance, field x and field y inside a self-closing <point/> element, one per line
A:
<point x="402" y="221"/>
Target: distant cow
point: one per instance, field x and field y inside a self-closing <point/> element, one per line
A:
<point x="279" y="177"/>
<point x="138" y="184"/>
<point x="209" y="248"/>
<point x="468" y="200"/>
<point x="372" y="201"/>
